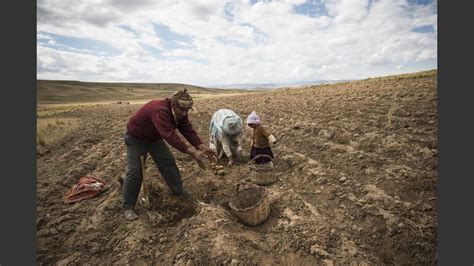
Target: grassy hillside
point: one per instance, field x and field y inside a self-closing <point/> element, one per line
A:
<point x="54" y="91"/>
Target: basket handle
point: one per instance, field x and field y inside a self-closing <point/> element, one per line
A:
<point x="252" y="161"/>
<point x="243" y="185"/>
<point x="261" y="155"/>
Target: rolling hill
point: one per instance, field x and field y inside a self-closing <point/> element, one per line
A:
<point x="55" y="91"/>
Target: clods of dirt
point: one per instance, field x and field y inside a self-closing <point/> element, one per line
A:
<point x="357" y="184"/>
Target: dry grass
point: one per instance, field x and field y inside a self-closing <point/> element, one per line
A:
<point x="49" y="130"/>
<point x="53" y="124"/>
<point x="59" y="92"/>
<point x="421" y="74"/>
<point x="49" y="111"/>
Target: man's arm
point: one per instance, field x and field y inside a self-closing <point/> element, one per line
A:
<point x="165" y="126"/>
<point x="187" y="130"/>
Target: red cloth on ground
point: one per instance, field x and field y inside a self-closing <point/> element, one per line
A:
<point x="86" y="187"/>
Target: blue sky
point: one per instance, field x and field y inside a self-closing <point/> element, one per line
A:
<point x="209" y="42"/>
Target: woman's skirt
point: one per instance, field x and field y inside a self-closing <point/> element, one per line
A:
<point x="254" y="151"/>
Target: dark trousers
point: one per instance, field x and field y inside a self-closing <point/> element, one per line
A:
<point x="163" y="159"/>
<point x="254" y="151"/>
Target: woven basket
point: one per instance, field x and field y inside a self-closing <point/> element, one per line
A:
<point x="250" y="204"/>
<point x="262" y="174"/>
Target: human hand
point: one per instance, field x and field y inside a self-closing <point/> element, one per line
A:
<point x="198" y="156"/>
<point x="272" y="139"/>
<point x="231" y="162"/>
<point x="208" y="152"/>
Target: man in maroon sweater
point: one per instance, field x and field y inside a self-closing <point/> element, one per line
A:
<point x="147" y="131"/>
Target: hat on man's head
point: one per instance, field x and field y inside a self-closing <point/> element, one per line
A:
<point x="253" y="118"/>
<point x="232" y="125"/>
<point x="182" y="99"/>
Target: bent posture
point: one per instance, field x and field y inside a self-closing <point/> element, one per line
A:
<point x="147" y="130"/>
<point x="225" y="134"/>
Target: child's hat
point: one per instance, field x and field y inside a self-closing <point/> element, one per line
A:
<point x="253" y="118"/>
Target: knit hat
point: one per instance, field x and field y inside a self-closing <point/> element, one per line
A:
<point x="253" y="118"/>
<point x="232" y="125"/>
<point x="182" y="99"/>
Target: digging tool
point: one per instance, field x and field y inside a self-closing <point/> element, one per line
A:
<point x="145" y="189"/>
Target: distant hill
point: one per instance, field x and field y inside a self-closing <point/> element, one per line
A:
<point x="58" y="91"/>
<point x="269" y="86"/>
<point x="266" y="86"/>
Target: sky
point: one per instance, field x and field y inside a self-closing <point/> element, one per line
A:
<point x="218" y="42"/>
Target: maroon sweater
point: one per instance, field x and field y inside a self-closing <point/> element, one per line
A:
<point x="155" y="121"/>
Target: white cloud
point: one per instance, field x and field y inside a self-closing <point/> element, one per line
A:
<point x="40" y="36"/>
<point x="218" y="42"/>
<point x="347" y="11"/>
